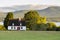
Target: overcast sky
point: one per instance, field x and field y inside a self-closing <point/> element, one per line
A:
<point x="5" y="3"/>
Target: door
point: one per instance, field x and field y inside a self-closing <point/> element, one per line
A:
<point x="18" y="28"/>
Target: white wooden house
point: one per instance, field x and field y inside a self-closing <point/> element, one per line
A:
<point x="16" y="24"/>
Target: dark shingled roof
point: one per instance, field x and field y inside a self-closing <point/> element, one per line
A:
<point x="16" y="22"/>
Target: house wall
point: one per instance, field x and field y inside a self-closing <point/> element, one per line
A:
<point x="23" y="28"/>
<point x="16" y="27"/>
<point x="9" y="27"/>
<point x="12" y="27"/>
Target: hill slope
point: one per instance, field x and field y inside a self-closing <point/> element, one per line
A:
<point x="52" y="13"/>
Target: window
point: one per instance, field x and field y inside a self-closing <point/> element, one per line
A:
<point x="11" y="27"/>
<point x="21" y="27"/>
<point x="14" y="28"/>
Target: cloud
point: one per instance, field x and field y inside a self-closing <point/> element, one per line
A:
<point x="7" y="3"/>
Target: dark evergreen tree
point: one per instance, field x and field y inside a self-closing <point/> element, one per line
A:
<point x="6" y="20"/>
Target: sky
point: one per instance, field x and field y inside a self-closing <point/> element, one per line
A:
<point x="8" y="3"/>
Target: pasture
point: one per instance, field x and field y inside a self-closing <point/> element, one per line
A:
<point x="29" y="35"/>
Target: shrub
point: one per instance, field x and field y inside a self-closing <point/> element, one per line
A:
<point x="2" y="27"/>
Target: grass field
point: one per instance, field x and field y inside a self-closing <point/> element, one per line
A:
<point x="29" y="35"/>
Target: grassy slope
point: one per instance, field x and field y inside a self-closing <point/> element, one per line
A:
<point x="29" y="35"/>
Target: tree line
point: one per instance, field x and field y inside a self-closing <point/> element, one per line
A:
<point x="34" y="21"/>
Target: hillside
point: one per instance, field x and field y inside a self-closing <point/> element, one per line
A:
<point x="52" y="13"/>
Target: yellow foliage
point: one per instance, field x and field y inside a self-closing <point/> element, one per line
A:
<point x="2" y="27"/>
<point x="51" y="24"/>
<point x="41" y="20"/>
<point x="38" y="21"/>
<point x="44" y="19"/>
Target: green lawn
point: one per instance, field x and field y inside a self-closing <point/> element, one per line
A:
<point x="29" y="35"/>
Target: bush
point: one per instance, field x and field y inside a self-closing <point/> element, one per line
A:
<point x="58" y="28"/>
<point x="39" y="27"/>
<point x="51" y="27"/>
<point x="2" y="27"/>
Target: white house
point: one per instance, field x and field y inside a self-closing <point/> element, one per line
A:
<point x="16" y="24"/>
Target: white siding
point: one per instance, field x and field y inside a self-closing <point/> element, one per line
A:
<point x="12" y="27"/>
<point x="9" y="27"/>
<point x="15" y="27"/>
<point x="23" y="28"/>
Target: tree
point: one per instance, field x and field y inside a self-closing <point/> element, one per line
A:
<point x="31" y="18"/>
<point x="6" y="20"/>
<point x="43" y="20"/>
